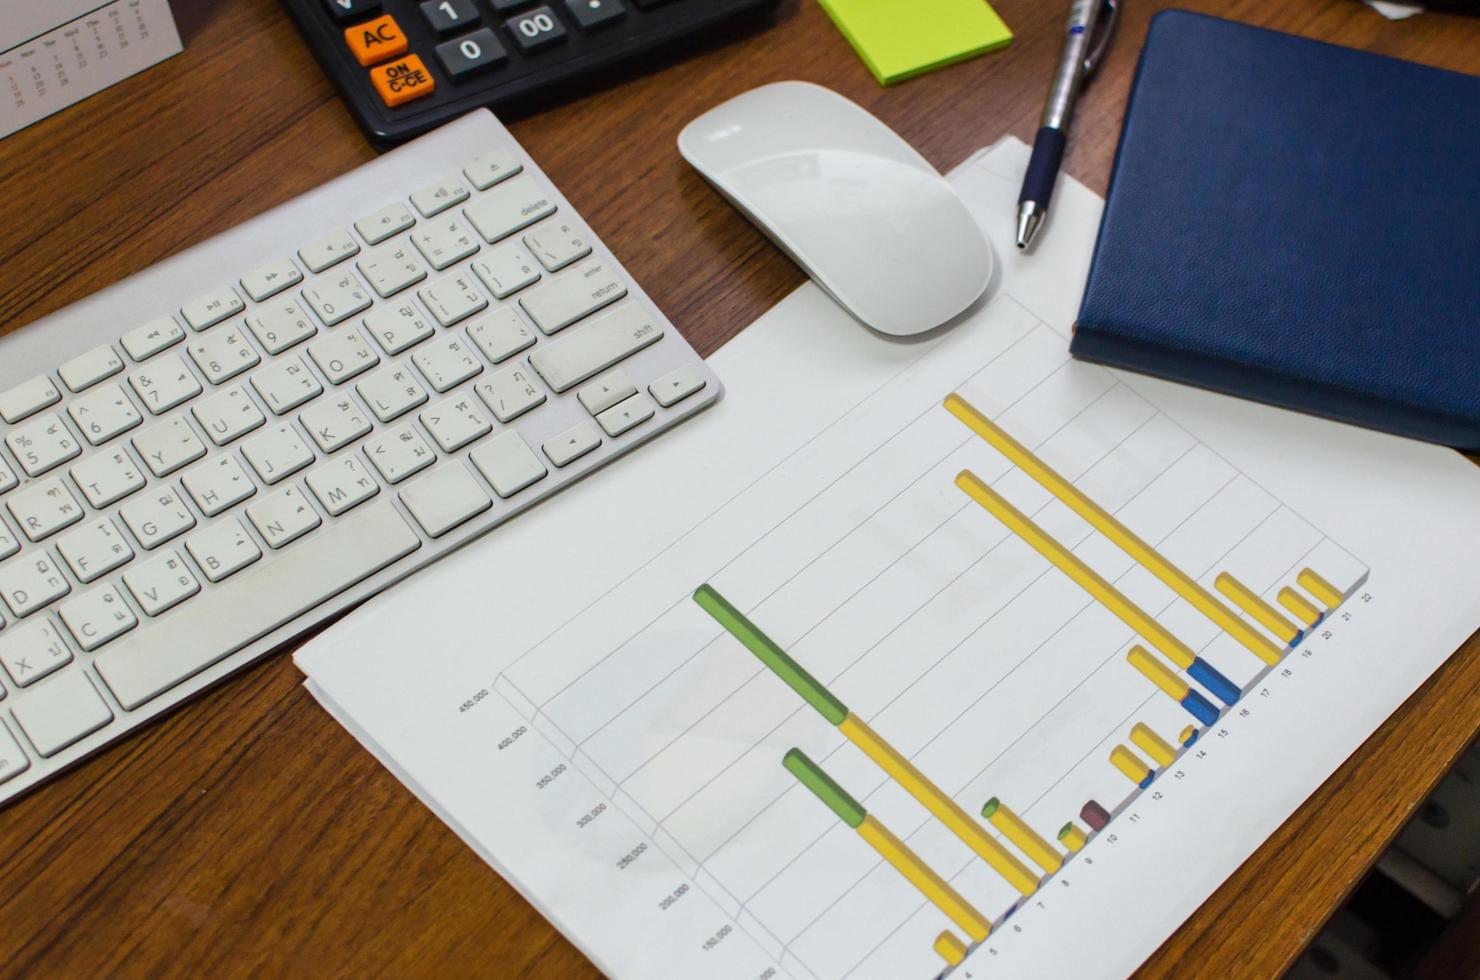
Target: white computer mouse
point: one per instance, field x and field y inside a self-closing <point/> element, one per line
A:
<point x="867" y="217"/>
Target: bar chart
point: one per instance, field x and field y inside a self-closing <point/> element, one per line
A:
<point x="873" y="716"/>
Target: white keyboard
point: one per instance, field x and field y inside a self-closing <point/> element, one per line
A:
<point x="208" y="458"/>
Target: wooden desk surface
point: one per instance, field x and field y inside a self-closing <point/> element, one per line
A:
<point x="248" y="833"/>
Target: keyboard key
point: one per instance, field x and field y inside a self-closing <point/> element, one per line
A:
<point x="468" y="55"/>
<point x="211" y="627"/>
<point x="592" y="15"/>
<point x="510" y="393"/>
<point x="438" y="197"/>
<point x="161" y="583"/>
<point x="402" y="81"/>
<point x="442" y="500"/>
<point x="153" y="337"/>
<point x="28" y="398"/>
<point x="94" y="549"/>
<point x="447" y="363"/>
<point x="399" y="453"/>
<point x="628" y="415"/>
<point x="8" y="479"/>
<point x="491" y="168"/>
<point x="342" y="484"/>
<point x="271" y="278"/>
<point x="351" y="9"/>
<point x="332" y="248"/>
<point x="397" y="328"/>
<point x="455" y="422"/>
<point x="61" y="711"/>
<point x="336" y="299"/>
<point x="444" y="242"/>
<point x="283" y="517"/>
<point x="593" y="348"/>
<point x="335" y="423"/>
<point x="343" y="355"/>
<point x="222" y="550"/>
<point x="43" y="444"/>
<point x="164" y="385"/>
<point x="96" y="617"/>
<point x="572" y="444"/>
<point x="586" y="288"/>
<point x="108" y="477"/>
<point x="446" y="16"/>
<point x="508" y="464"/>
<point x="30" y="582"/>
<point x="676" y="385"/>
<point x="33" y="650"/>
<point x="380" y="225"/>
<point x="165" y="447"/>
<point x="511" y="206"/>
<point x="217" y="484"/>
<point x="157" y="517"/>
<point x="223" y="353"/>
<point x="103" y="414"/>
<point x="13" y="759"/>
<point x="537" y="29"/>
<point x="500" y="334"/>
<point x="375" y="40"/>
<point x="228" y="415"/>
<point x="557" y="245"/>
<point x="453" y="298"/>
<point x="86" y="370"/>
<point x="43" y="508"/>
<point x="286" y="385"/>
<point x="281" y="325"/>
<point x="391" y="393"/>
<point x="606" y="391"/>
<point x="506" y="270"/>
<point x="391" y="269"/>
<point x="211" y="308"/>
<point x="276" y="454"/>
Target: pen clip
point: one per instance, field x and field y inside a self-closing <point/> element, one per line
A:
<point x="1103" y="30"/>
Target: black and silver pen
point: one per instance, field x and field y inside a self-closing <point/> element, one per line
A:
<point x="1090" y="25"/>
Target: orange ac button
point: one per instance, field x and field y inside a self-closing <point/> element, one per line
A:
<point x="375" y="40"/>
<point x="401" y="81"/>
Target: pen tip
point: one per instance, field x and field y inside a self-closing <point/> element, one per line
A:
<point x="1030" y="217"/>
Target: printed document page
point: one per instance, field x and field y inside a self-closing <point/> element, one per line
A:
<point x="907" y="659"/>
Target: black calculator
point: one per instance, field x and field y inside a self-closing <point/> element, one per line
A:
<point x="407" y="66"/>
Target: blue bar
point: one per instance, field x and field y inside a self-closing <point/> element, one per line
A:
<point x="1147" y="781"/>
<point x="1223" y="689"/>
<point x="1200" y="708"/>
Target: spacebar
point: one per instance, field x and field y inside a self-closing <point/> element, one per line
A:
<point x="253" y="603"/>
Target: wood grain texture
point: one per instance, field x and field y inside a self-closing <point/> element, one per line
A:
<point x="247" y="833"/>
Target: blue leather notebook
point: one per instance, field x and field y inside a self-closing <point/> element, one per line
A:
<point x="1297" y="223"/>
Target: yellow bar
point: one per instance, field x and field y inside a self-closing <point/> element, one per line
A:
<point x="1264" y="614"/>
<point x="1072" y="837"/>
<point x="919" y="874"/>
<point x="1067" y="562"/>
<point x="1327" y="593"/>
<point x="1026" y="838"/>
<point x="944" y="809"/>
<point x="1300" y="606"/>
<point x="1178" y="581"/>
<point x="951" y="949"/>
<point x="1187" y="733"/>
<point x="1158" y="673"/>
<point x="1153" y="745"/>
<point x="1129" y="763"/>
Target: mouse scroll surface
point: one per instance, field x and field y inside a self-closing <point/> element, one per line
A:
<point x="866" y="216"/>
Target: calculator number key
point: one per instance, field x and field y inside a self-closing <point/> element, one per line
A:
<point x="591" y="15"/>
<point x="446" y="16"/>
<point x="466" y="55"/>
<point x="536" y="29"/>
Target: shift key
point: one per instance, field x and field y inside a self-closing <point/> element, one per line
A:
<point x="596" y="346"/>
<point x="578" y="292"/>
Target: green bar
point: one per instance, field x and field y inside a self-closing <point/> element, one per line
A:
<point x="758" y="643"/>
<point x="849" y="810"/>
<point x="1065" y="829"/>
<point x="990" y="808"/>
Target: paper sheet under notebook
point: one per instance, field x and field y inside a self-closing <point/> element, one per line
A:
<point x="555" y="694"/>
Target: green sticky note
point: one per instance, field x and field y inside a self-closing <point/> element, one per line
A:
<point x="901" y="38"/>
